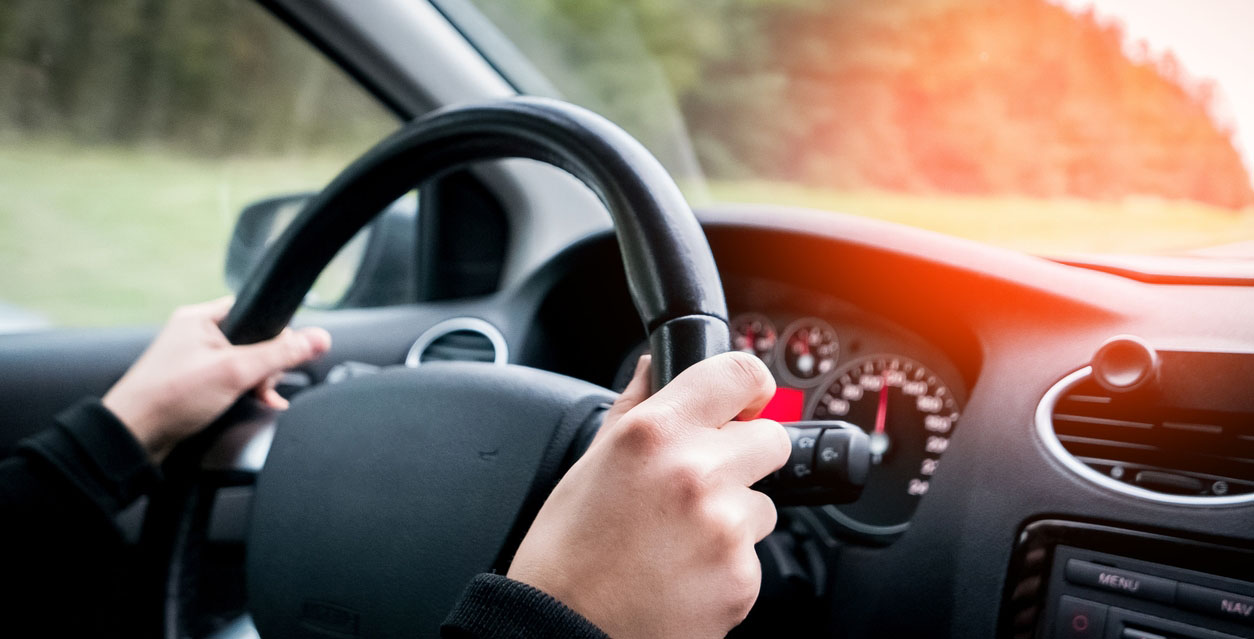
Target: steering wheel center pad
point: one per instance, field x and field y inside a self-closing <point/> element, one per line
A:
<point x="383" y="495"/>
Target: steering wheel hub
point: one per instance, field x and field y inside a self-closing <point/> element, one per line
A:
<point x="384" y="495"/>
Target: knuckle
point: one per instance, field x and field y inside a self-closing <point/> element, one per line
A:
<point x="722" y="531"/>
<point x="236" y="371"/>
<point x="749" y="371"/>
<point x="689" y="482"/>
<point x="643" y="431"/>
<point x="767" y="511"/>
<point x="744" y="580"/>
<point x="640" y="435"/>
<point x="724" y="541"/>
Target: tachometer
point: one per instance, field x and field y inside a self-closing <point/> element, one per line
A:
<point x="909" y="413"/>
<point x="810" y="350"/>
<point x="754" y="333"/>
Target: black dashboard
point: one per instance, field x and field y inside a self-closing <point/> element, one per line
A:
<point x="948" y="350"/>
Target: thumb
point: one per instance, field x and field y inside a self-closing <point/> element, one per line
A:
<point x="637" y="391"/>
<point x="289" y="349"/>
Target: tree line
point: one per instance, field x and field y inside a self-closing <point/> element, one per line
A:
<point x="208" y="76"/>
<point x="955" y="96"/>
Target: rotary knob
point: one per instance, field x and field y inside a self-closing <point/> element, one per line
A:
<point x="1125" y="363"/>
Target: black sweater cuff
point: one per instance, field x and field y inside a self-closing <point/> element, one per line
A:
<point x="97" y="454"/>
<point x="498" y="607"/>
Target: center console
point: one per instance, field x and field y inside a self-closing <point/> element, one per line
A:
<point x="1076" y="580"/>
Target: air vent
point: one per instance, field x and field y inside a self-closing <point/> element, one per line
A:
<point x="461" y="339"/>
<point x="1131" y="443"/>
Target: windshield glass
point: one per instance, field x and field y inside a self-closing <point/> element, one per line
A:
<point x="1057" y="127"/>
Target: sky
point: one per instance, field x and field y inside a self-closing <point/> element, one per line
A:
<point x="1211" y="40"/>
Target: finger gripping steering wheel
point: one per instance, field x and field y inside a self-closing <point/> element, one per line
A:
<point x="382" y="495"/>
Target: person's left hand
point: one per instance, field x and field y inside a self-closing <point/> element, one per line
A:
<point x="191" y="374"/>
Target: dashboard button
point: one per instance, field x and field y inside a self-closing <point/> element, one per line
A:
<point x="1134" y="584"/>
<point x="1216" y="603"/>
<point x="1079" y="619"/>
<point x="1133" y="633"/>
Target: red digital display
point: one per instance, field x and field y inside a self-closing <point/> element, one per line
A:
<point x="785" y="406"/>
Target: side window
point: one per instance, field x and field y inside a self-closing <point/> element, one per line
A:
<point x="132" y="135"/>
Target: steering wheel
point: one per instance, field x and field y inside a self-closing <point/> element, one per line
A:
<point x="383" y="495"/>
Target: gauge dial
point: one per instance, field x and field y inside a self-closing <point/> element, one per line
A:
<point x="909" y="414"/>
<point x="810" y="350"/>
<point x="754" y="333"/>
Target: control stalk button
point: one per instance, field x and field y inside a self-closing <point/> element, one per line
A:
<point x="801" y="463"/>
<point x="1216" y="603"/>
<point x="843" y="456"/>
<point x="1079" y="619"/>
<point x="1134" y="584"/>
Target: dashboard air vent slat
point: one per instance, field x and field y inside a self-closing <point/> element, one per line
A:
<point x="1147" y="447"/>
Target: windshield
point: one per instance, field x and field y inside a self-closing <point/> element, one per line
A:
<point x="1055" y="127"/>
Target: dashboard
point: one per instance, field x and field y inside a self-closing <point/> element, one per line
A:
<point x="1001" y="459"/>
<point x="1016" y="494"/>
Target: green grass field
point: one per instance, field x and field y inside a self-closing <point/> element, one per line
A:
<point x="109" y="236"/>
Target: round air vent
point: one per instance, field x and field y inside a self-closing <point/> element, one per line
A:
<point x="461" y="339"/>
<point x="1137" y="445"/>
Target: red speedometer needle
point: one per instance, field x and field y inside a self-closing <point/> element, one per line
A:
<point x="881" y="413"/>
<point x="879" y="438"/>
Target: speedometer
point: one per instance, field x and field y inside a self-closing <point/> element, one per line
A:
<point x="909" y="413"/>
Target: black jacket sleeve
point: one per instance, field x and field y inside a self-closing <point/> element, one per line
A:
<point x="71" y="573"/>
<point x="499" y="608"/>
<point x="66" y="564"/>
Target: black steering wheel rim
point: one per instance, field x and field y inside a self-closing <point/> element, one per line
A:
<point x="671" y="273"/>
<point x="670" y="270"/>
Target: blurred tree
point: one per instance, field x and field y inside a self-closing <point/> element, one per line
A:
<point x="966" y="96"/>
<point x="1006" y="96"/>
<point x="216" y="76"/>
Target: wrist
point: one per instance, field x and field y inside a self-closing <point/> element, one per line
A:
<point x="138" y="418"/>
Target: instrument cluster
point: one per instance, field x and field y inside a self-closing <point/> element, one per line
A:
<point x="855" y="370"/>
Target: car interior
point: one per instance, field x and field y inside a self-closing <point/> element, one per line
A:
<point x="1057" y="446"/>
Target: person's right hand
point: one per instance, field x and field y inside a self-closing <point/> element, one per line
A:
<point x="651" y="533"/>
